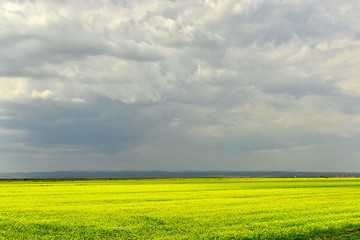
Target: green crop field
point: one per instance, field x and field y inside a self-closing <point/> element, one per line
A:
<point x="226" y="208"/>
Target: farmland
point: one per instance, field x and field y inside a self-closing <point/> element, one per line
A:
<point x="219" y="208"/>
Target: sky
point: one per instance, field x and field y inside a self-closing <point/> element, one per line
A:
<point x="241" y="85"/>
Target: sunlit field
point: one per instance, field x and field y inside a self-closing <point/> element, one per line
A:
<point x="181" y="209"/>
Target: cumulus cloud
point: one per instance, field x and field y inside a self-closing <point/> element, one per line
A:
<point x="177" y="85"/>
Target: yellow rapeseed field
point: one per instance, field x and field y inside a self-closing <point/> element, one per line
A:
<point x="222" y="208"/>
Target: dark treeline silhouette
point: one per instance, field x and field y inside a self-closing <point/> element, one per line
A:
<point x="167" y="174"/>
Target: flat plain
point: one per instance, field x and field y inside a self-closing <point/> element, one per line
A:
<point x="213" y="208"/>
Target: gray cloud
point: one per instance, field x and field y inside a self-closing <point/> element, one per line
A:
<point x="104" y="124"/>
<point x="179" y="85"/>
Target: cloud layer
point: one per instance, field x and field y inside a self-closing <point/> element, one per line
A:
<point x="179" y="85"/>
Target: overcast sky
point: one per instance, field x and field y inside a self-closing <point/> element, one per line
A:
<point x="180" y="85"/>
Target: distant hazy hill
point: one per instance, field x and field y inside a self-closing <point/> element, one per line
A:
<point x="163" y="174"/>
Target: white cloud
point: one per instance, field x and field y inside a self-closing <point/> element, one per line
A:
<point x="350" y="86"/>
<point x="78" y="100"/>
<point x="12" y="88"/>
<point x="43" y="94"/>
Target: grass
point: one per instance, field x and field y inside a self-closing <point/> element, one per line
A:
<point x="181" y="209"/>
